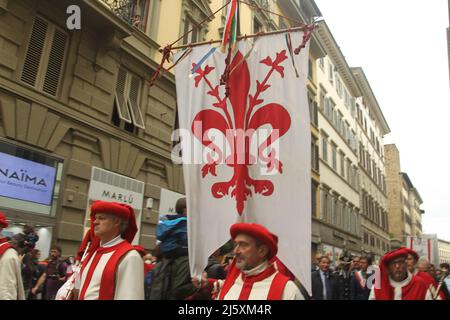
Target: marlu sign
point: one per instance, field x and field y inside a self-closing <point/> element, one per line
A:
<point x="120" y="197"/>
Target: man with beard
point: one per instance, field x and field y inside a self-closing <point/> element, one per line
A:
<point x="54" y="275"/>
<point x="251" y="275"/>
<point x="396" y="282"/>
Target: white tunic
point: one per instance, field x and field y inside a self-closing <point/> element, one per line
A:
<point x="129" y="276"/>
<point x="11" y="285"/>
<point x="261" y="289"/>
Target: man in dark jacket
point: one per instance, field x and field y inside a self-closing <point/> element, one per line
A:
<point x="343" y="276"/>
<point x="323" y="283"/>
<point x="360" y="290"/>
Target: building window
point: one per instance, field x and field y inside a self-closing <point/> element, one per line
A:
<point x="324" y="204"/>
<point x="314" y="188"/>
<point x="334" y="156"/>
<point x="342" y="162"/>
<point x="346" y="99"/>
<point x="127" y="113"/>
<point x="310" y="70"/>
<point x="349" y="172"/>
<point x="314" y="117"/>
<point x="257" y="26"/>
<point x="324" y="148"/>
<point x="314" y="154"/>
<point x="322" y="64"/>
<point x="338" y="85"/>
<point x="45" y="56"/>
<point x="366" y="238"/>
<point x="334" y="211"/>
<point x="330" y="73"/>
<point x="140" y="10"/>
<point x="190" y="37"/>
<point x="322" y="98"/>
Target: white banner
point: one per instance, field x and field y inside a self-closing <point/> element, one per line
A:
<point x="426" y="246"/>
<point x="246" y="157"/>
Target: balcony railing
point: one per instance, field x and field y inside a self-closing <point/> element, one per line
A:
<point x="131" y="11"/>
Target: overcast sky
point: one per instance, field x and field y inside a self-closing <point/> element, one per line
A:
<point x="402" y="47"/>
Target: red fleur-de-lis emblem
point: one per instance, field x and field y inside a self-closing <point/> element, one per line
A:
<point x="246" y="116"/>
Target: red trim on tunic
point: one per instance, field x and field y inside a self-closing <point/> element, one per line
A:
<point x="99" y="252"/>
<point x="233" y="274"/>
<point x="108" y="281"/>
<point x="4" y="247"/>
<point x="277" y="288"/>
<point x="275" y="291"/>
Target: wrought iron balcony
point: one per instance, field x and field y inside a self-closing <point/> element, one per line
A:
<point x="131" y="11"/>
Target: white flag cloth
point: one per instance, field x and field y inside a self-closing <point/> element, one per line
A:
<point x="260" y="177"/>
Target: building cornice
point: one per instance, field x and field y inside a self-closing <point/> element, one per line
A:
<point x="367" y="92"/>
<point x="327" y="40"/>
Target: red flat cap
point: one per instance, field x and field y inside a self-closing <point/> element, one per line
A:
<point x="259" y="232"/>
<point x="120" y="210"/>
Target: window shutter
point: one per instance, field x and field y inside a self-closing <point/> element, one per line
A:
<point x="55" y="62"/>
<point x="121" y="104"/>
<point x="34" y="52"/>
<point x="133" y="102"/>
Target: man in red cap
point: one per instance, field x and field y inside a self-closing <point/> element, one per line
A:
<point x="11" y="285"/>
<point x="112" y="269"/>
<point x="396" y="282"/>
<point x="252" y="276"/>
<point x="420" y="269"/>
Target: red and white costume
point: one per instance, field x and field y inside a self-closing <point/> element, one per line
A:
<point x="263" y="282"/>
<point x="11" y="285"/>
<point x="113" y="270"/>
<point x="412" y="288"/>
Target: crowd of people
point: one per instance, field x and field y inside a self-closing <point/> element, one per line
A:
<point x="109" y="267"/>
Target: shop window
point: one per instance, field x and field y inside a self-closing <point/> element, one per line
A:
<point x="29" y="180"/>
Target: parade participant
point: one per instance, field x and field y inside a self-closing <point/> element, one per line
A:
<point x="11" y="286"/>
<point x="396" y="282"/>
<point x="411" y="260"/>
<point x="252" y="276"/>
<point x="423" y="267"/>
<point x="359" y="287"/>
<point x="113" y="269"/>
<point x="324" y="284"/>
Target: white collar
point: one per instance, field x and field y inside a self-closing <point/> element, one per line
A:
<point x="112" y="242"/>
<point x="256" y="270"/>
<point x="400" y="284"/>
